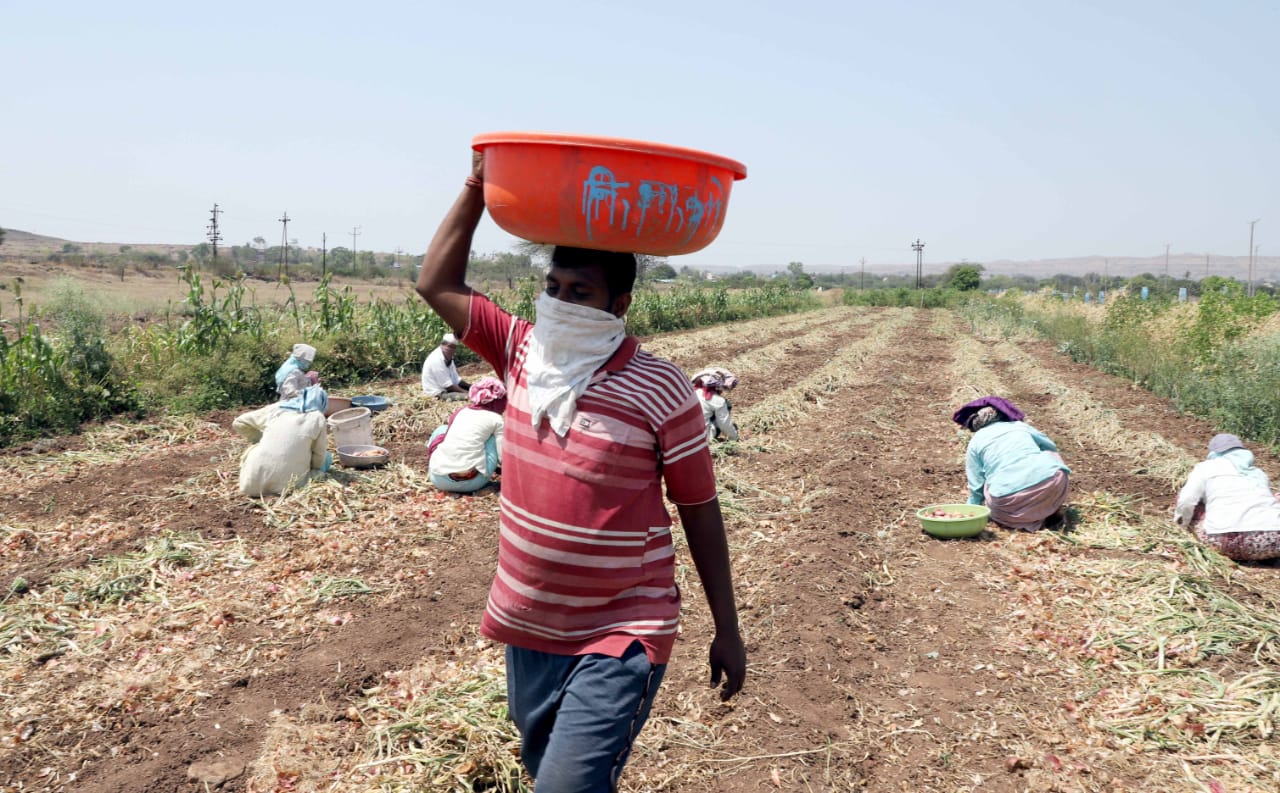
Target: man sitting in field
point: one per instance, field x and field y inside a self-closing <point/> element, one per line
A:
<point x="440" y="374"/>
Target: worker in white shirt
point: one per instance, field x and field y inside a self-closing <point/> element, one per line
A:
<point x="440" y="374"/>
<point x="466" y="452"/>
<point x="1228" y="504"/>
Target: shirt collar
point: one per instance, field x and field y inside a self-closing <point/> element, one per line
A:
<point x="623" y="355"/>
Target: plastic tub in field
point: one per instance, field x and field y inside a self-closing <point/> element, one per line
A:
<point x="961" y="520"/>
<point x="337" y="404"/>
<point x="609" y="194"/>
<point x="352" y="427"/>
<point x="363" y="455"/>
<point x="377" y="404"/>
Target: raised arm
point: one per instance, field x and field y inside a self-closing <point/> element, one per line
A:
<point x="704" y="529"/>
<point x="442" y="280"/>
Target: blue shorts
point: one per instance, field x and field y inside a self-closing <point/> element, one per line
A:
<point x="579" y="714"/>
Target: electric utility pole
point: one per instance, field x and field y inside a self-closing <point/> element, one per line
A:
<point x="1166" y="263"/>
<point x="862" y="279"/>
<point x="284" y="246"/>
<point x="918" y="247"/>
<point x="324" y="253"/>
<point x="355" y="232"/>
<point x="215" y="237"/>
<point x="1251" y="222"/>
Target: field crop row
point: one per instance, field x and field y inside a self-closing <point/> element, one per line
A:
<point x="327" y="640"/>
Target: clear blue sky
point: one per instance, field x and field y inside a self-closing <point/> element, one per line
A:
<point x="990" y="130"/>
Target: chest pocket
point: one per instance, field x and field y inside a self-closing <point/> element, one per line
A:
<point x="605" y="450"/>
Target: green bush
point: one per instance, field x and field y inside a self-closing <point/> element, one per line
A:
<point x="1237" y="391"/>
<point x="1001" y="316"/>
<point x="218" y="349"/>
<point x="53" y="382"/>
<point x="902" y="297"/>
<point x="1208" y="365"/>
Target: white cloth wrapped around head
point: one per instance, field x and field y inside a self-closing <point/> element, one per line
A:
<point x="305" y="353"/>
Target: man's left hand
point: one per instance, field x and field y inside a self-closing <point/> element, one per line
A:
<point x="728" y="657"/>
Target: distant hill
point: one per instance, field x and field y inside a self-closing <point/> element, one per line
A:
<point x="23" y="244"/>
<point x="1180" y="265"/>
<point x="1266" y="268"/>
<point x="20" y="244"/>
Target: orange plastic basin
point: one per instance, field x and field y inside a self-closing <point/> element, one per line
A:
<point x="605" y="193"/>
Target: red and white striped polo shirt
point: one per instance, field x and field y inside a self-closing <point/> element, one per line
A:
<point x="585" y="559"/>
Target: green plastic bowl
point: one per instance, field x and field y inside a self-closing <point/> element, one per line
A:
<point x="973" y="522"/>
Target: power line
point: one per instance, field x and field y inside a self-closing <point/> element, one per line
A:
<point x="918" y="247"/>
<point x="215" y="237"/>
<point x="1251" y="222"/>
<point x="284" y="246"/>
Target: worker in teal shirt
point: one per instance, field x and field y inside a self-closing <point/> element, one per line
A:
<point x="1012" y="467"/>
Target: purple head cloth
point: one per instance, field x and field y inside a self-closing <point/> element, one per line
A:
<point x="1006" y="408"/>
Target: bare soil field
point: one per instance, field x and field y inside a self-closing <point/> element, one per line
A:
<point x="162" y="633"/>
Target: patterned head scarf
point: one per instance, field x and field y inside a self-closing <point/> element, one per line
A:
<point x="486" y="391"/>
<point x="984" y="417"/>
<point x="715" y="378"/>
<point x="1001" y="405"/>
<point x="713" y="382"/>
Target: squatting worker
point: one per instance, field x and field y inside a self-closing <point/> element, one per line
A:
<point x="290" y="444"/>
<point x="1011" y="466"/>
<point x="466" y="451"/>
<point x="585" y="596"/>
<point x="440" y="374"/>
<point x="1227" y="502"/>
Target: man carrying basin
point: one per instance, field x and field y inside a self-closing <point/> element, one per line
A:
<point x="585" y="596"/>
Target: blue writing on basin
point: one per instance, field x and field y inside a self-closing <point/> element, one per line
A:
<point x="599" y="188"/>
<point x="657" y="204"/>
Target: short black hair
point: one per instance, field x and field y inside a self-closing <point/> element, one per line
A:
<point x="619" y="268"/>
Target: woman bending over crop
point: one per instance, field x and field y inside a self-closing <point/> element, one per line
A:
<point x="712" y="385"/>
<point x="1012" y="467"/>
<point x="1228" y="504"/>
<point x="290" y="444"/>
